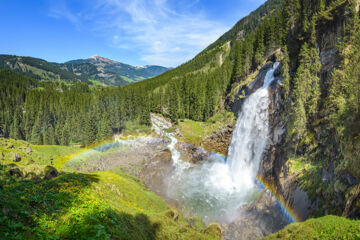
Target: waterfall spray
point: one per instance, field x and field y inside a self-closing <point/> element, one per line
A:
<point x="216" y="189"/>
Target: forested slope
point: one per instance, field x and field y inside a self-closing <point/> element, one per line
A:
<point x="63" y="114"/>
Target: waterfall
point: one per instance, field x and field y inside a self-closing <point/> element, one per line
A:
<point x="217" y="188"/>
<point x="251" y="133"/>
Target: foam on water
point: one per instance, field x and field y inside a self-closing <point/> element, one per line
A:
<point x="217" y="188"/>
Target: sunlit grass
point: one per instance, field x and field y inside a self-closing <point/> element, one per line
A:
<point x="328" y="227"/>
<point x="102" y="205"/>
<point x="194" y="132"/>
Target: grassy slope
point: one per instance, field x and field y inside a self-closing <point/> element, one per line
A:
<point x="328" y="227"/>
<point x="101" y="205"/>
<point x="194" y="132"/>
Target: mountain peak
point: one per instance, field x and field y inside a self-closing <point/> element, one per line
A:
<point x="98" y="58"/>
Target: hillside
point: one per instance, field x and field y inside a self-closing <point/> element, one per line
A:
<point x="39" y="201"/>
<point x="329" y="227"/>
<point x="38" y="69"/>
<point x="94" y="70"/>
<point x="105" y="71"/>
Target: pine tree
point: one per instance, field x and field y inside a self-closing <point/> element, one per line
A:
<point x="15" y="129"/>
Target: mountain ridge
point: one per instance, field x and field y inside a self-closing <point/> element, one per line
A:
<point x="96" y="70"/>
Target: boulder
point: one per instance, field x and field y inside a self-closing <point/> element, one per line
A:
<point x="50" y="172"/>
<point x="220" y="140"/>
<point x="16" y="172"/>
<point x="29" y="150"/>
<point x="17" y="157"/>
<point x="173" y="214"/>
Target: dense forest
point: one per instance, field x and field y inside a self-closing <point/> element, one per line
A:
<point x="46" y="113"/>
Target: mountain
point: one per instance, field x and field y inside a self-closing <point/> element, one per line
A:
<point x="96" y="69"/>
<point x="37" y="69"/>
<point x="106" y="71"/>
<point x="311" y="161"/>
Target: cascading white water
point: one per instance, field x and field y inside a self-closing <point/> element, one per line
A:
<point x="216" y="189"/>
<point x="250" y="135"/>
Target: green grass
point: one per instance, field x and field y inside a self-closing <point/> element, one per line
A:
<point x="40" y="155"/>
<point x="135" y="128"/>
<point x="299" y="165"/>
<point x="97" y="82"/>
<point x="328" y="227"/>
<point x="194" y="132"/>
<point x="102" y="205"/>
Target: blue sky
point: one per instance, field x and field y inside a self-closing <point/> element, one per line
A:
<point x="137" y="32"/>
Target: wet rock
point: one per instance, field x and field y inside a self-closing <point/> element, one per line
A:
<point x="155" y="171"/>
<point x="50" y="172"/>
<point x="255" y="221"/>
<point x="17" y="157"/>
<point x="16" y="172"/>
<point x="278" y="71"/>
<point x="214" y="229"/>
<point x="220" y="140"/>
<point x="248" y="90"/>
<point x="191" y="153"/>
<point x="130" y="156"/>
<point x="298" y="200"/>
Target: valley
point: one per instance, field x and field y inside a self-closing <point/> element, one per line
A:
<point x="256" y="137"/>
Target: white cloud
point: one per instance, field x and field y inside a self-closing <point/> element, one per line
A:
<point x="59" y="9"/>
<point x="156" y="31"/>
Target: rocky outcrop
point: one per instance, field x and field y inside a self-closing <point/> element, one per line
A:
<point x="256" y="221"/>
<point x="329" y="35"/>
<point x="274" y="155"/>
<point x="246" y="91"/>
<point x="191" y="153"/>
<point x="129" y="156"/>
<point x="155" y="173"/>
<point x="220" y="140"/>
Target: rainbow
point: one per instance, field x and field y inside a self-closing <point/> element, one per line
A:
<point x="290" y="215"/>
<point x="103" y="146"/>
